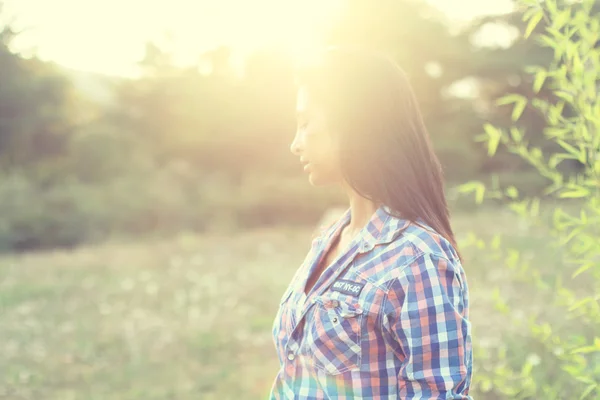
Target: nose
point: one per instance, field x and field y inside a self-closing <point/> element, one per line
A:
<point x="296" y="147"/>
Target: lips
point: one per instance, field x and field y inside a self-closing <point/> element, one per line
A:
<point x="306" y="165"/>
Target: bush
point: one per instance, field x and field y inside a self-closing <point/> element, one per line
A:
<point x="555" y="352"/>
<point x="53" y="212"/>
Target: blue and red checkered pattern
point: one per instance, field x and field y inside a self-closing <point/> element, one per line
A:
<point x="388" y="319"/>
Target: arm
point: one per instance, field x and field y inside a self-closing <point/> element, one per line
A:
<point x="426" y="318"/>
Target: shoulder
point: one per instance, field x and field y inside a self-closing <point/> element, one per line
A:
<point x="434" y="271"/>
<point x="425" y="241"/>
<point x="432" y="276"/>
<point x="413" y="249"/>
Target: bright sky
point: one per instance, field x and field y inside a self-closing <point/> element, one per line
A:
<point x="108" y="36"/>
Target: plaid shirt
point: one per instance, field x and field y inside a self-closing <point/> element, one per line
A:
<point x="388" y="319"/>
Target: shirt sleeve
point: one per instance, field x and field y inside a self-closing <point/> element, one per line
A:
<point x="426" y="319"/>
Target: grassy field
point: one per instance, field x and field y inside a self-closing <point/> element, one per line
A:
<point x="190" y="317"/>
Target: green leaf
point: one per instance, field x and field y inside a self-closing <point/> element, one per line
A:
<point x="569" y="148"/>
<point x="509" y="99"/>
<point x="553" y="132"/>
<point x="582" y="154"/>
<point x="583" y="217"/>
<point x="561" y="73"/>
<point x="582" y="269"/>
<point x="468" y="187"/>
<point x="495" y="243"/>
<point x="562" y="18"/>
<point x="570" y="236"/>
<point x="575" y="193"/>
<point x="558" y="108"/>
<point x="473" y="186"/>
<point x="579" y="304"/>
<point x="526" y="369"/>
<point x="542" y="105"/>
<point x="585" y="379"/>
<point x="551" y="189"/>
<point x="519" y="207"/>
<point x="585" y="350"/>
<point x="588" y="391"/>
<point x="534" y="209"/>
<point x="588" y="5"/>
<point x="584" y="132"/>
<point x="540" y="78"/>
<point x="547" y="41"/>
<point x="558" y="35"/>
<point x="565" y="96"/>
<point x="536" y="153"/>
<point x="528" y="14"/>
<point x="556" y="159"/>
<point x="518" y="109"/>
<point x="562" y="220"/>
<point x="577" y="66"/>
<point x="571" y="369"/>
<point x="479" y="194"/>
<point x="494" y="136"/>
<point x="516" y="134"/>
<point x="533" y="22"/>
<point x="485" y="385"/>
<point x="512" y="192"/>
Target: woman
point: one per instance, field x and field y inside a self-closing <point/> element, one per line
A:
<point x="379" y="308"/>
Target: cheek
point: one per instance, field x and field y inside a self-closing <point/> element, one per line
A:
<point x="320" y="148"/>
<point x="327" y="147"/>
<point x="329" y="160"/>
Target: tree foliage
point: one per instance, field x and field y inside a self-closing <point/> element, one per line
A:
<point x="228" y="126"/>
<point x="36" y="103"/>
<point x="569" y="352"/>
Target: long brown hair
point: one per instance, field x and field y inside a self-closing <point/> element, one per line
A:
<point x="386" y="153"/>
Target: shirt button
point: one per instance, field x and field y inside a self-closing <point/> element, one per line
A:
<point x="291" y="356"/>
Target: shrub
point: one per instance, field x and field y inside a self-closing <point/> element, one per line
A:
<point x="44" y="211"/>
<point x="555" y="353"/>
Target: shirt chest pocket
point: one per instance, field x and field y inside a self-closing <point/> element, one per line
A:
<point x="333" y="340"/>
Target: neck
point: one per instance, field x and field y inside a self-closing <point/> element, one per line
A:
<point x="361" y="211"/>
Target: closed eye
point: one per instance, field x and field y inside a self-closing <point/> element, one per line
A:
<point x="303" y="125"/>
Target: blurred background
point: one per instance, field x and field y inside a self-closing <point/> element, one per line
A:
<point x="152" y="214"/>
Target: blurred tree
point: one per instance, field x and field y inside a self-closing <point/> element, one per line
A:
<point x="501" y="69"/>
<point x="215" y="120"/>
<point x="36" y="107"/>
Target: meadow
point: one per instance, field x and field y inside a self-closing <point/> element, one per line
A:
<point x="124" y="171"/>
<point x="190" y="317"/>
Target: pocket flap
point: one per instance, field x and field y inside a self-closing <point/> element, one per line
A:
<point x="342" y="308"/>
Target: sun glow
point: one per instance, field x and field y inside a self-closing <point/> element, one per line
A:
<point x="109" y="35"/>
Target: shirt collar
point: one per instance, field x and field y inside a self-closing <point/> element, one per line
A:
<point x="382" y="228"/>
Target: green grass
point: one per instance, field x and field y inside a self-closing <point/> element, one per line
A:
<point x="187" y="318"/>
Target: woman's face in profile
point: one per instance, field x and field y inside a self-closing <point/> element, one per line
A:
<point x="316" y="146"/>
